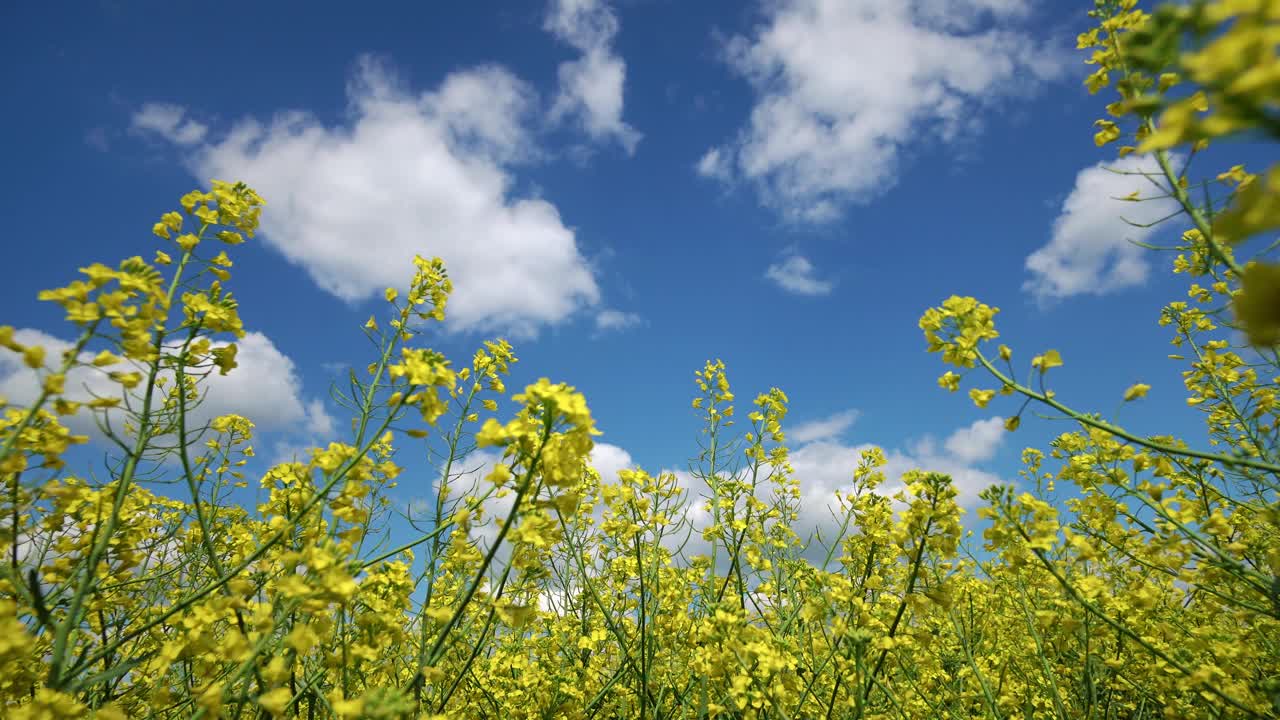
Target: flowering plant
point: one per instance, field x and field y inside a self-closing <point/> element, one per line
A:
<point x="1151" y="589"/>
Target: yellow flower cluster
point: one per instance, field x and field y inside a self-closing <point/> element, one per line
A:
<point x="956" y="328"/>
<point x="1125" y="576"/>
<point x="1229" y="52"/>
<point x="1169" y="549"/>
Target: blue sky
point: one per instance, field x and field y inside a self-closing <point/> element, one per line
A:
<point x="625" y="190"/>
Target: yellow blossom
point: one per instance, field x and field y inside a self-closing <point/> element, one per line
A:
<point x="1136" y="391"/>
<point x="981" y="397"/>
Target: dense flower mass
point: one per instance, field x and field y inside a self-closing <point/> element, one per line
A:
<point x="1123" y="577"/>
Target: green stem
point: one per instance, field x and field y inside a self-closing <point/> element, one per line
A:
<point x="1120" y="432"/>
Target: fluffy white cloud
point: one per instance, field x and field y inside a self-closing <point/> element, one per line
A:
<point x="963" y="15"/>
<point x="169" y="122"/>
<point x="427" y="174"/>
<point x="608" y="459"/>
<point x="825" y="466"/>
<point x="591" y="86"/>
<point x="976" y="442"/>
<point x="824" y="429"/>
<point x="616" y="320"/>
<point x="1091" y="251"/>
<point x="714" y="164"/>
<point x="796" y="275"/>
<point x="842" y="86"/>
<point x="264" y="388"/>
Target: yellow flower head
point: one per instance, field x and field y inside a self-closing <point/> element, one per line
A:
<point x="957" y="328"/>
<point x="1136" y="391"/>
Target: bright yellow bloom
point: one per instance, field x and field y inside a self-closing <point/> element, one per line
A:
<point x="33" y="356"/>
<point x="187" y="242"/>
<point x="1136" y="391"/>
<point x="1108" y="132"/>
<point x="275" y="701"/>
<point x="981" y="397"/>
<point x="1257" y="307"/>
<point x="1051" y="359"/>
<point x="54" y="382"/>
<point x="128" y="379"/>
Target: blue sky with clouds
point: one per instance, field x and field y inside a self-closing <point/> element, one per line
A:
<point x="624" y="190"/>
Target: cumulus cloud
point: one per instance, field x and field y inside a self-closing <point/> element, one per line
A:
<point x="825" y="466"/>
<point x="616" y="320"/>
<point x="169" y="122"/>
<point x="1091" y="249"/>
<point x="824" y="429"/>
<point x="796" y="275"/>
<point x="264" y="388"/>
<point x="976" y="442"/>
<point x="591" y="86"/>
<point x="428" y="174"/>
<point x="715" y="164"/>
<point x="842" y="87"/>
<point x="608" y="459"/>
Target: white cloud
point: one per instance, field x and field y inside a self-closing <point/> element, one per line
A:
<point x="591" y="86"/>
<point x="608" y="459"/>
<point x="963" y="15"/>
<point x="1090" y="251"/>
<point x="264" y="387"/>
<point x="616" y="320"/>
<point x="21" y="385"/>
<point x="843" y="86"/>
<point x="715" y="164"/>
<point x="824" y="429"/>
<point x="286" y="451"/>
<point x="978" y="441"/>
<point x="169" y="122"/>
<point x="796" y="275"/>
<point x="319" y="421"/>
<point x="825" y="466"/>
<point x="427" y="174"/>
